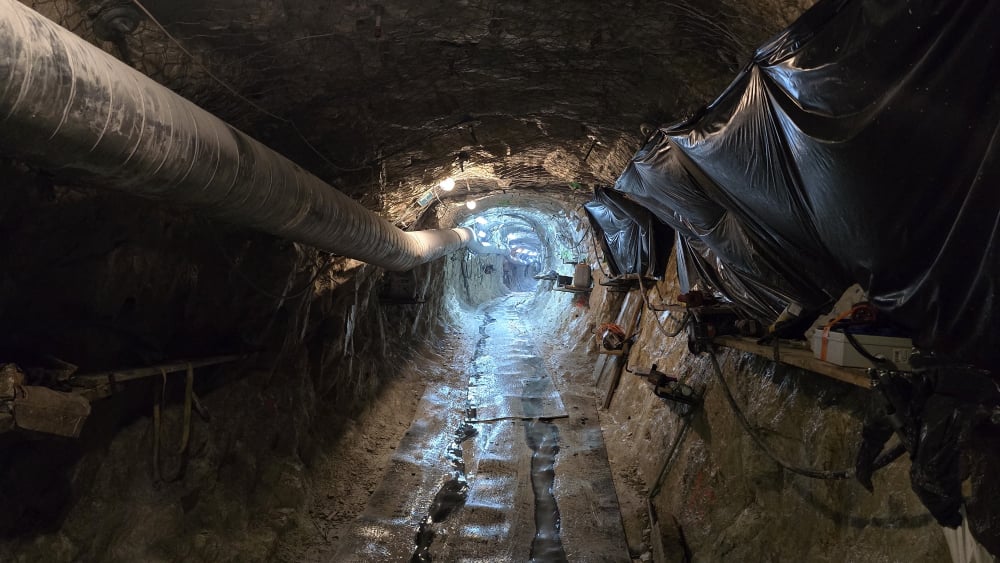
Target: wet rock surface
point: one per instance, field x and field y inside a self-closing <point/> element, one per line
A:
<point x="382" y="99"/>
<point x="107" y="282"/>
<point x="533" y="103"/>
<point x="501" y="500"/>
<point x="721" y="498"/>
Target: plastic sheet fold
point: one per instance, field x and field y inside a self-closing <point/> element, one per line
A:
<point x="859" y="145"/>
<point x="633" y="239"/>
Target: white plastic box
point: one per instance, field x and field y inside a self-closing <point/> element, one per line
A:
<point x="840" y="352"/>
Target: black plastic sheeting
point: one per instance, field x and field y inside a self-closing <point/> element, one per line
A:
<point x="633" y="239"/>
<point x="860" y="145"/>
<point x="933" y="411"/>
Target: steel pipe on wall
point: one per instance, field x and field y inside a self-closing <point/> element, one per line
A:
<point x="67" y="106"/>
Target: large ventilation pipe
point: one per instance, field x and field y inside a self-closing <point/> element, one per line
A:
<point x="67" y="106"/>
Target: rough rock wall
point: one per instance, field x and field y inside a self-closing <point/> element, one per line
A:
<point x="474" y="279"/>
<point x="105" y="281"/>
<point x="384" y="99"/>
<point x="721" y="498"/>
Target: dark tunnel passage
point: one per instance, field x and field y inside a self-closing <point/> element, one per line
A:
<point x="346" y="281"/>
<point x="515" y="248"/>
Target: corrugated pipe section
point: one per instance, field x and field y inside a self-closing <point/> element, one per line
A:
<point x="67" y="106"/>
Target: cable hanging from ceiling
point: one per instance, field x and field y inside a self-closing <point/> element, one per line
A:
<point x="885" y="459"/>
<point x="291" y="124"/>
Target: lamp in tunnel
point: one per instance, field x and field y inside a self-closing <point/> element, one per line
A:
<point x="447" y="184"/>
<point x="470" y="203"/>
<point x="481" y="234"/>
<point x="481" y="220"/>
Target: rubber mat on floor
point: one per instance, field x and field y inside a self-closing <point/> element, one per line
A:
<point x="509" y="378"/>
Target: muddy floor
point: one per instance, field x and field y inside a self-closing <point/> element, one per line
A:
<point x="500" y="462"/>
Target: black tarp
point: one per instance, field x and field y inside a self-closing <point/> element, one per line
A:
<point x="860" y="145"/>
<point x="633" y="239"/>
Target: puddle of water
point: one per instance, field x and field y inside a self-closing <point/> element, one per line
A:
<point x="543" y="439"/>
<point x="507" y="370"/>
<point x="449" y="498"/>
<point x="531" y="391"/>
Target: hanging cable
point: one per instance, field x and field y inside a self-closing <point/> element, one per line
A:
<point x="159" y="392"/>
<point x="600" y="262"/>
<point x="656" y="317"/>
<point x="668" y="461"/>
<point x="885" y="459"/>
<point x="320" y="270"/>
<point x="243" y="98"/>
<point x="640" y="275"/>
<point x="671" y="333"/>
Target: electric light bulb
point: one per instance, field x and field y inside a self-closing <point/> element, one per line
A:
<point x="447" y="184"/>
<point x="471" y="204"/>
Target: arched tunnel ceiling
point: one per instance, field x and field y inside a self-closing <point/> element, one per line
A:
<point x="545" y="216"/>
<point x="385" y="99"/>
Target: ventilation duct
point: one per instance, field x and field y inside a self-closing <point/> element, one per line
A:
<point x="69" y="107"/>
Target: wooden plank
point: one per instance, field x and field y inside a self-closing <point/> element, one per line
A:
<point x="572" y="289"/>
<point x="599" y="370"/>
<point x="100" y="385"/>
<point x="800" y="358"/>
<point x="616" y="375"/>
<point x="631" y="309"/>
<point x="117" y="376"/>
<point x="608" y="364"/>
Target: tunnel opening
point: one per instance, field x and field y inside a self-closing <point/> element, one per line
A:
<point x="262" y="398"/>
<point x="523" y="242"/>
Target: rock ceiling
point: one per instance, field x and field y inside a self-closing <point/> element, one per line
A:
<point x="386" y="99"/>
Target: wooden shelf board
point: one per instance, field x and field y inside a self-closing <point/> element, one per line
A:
<point x="571" y="289"/>
<point x="800" y="358"/>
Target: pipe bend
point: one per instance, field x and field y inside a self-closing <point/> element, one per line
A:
<point x="477" y="247"/>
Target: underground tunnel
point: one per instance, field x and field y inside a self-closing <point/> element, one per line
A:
<point x="331" y="281"/>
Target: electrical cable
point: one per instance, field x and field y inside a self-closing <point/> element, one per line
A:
<point x="600" y="262"/>
<point x="642" y="288"/>
<point x="671" y="454"/>
<point x="243" y="98"/>
<point x="320" y="270"/>
<point x="656" y="318"/>
<point x="884" y="459"/>
<point x="875" y="360"/>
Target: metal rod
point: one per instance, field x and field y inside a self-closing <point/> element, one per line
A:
<point x="118" y="376"/>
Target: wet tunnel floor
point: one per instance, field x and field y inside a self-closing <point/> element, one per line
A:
<point x="497" y="465"/>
